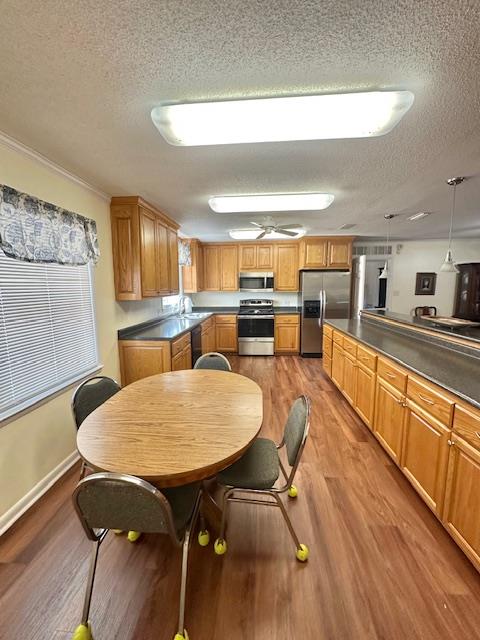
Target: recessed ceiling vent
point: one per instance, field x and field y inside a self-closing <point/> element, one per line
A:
<point x="347" y="225"/>
<point x="372" y="250"/>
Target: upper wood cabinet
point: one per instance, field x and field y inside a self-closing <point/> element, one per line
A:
<point x="220" y="267"/>
<point x="326" y="253"/>
<point x="193" y="275"/>
<point x="286" y="267"/>
<point x="211" y="267"/>
<point x="255" y="257"/>
<point x="144" y="246"/>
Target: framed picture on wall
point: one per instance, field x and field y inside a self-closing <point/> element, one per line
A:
<point x="425" y="284"/>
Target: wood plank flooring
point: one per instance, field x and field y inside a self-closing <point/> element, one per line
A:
<point x="381" y="566"/>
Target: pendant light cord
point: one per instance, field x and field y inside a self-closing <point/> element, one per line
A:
<point x="451" y="217"/>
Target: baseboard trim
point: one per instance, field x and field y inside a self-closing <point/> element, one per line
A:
<point x="28" y="500"/>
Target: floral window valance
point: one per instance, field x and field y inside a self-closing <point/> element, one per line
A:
<point x="36" y="231"/>
<point x="184" y="254"/>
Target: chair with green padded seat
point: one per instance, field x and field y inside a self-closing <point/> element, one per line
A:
<point x="258" y="470"/>
<point x="213" y="360"/>
<point x="106" y="501"/>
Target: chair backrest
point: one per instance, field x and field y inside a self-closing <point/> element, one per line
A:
<point x="296" y="429"/>
<point x="119" y="501"/>
<point x="425" y="311"/>
<point x="90" y="395"/>
<point x="213" y="360"/>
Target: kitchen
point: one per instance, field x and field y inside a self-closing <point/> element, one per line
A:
<point x="333" y="263"/>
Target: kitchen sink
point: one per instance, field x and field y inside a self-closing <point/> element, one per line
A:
<point x="193" y="316"/>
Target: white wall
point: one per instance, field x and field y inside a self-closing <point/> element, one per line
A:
<point x="232" y="298"/>
<point x="412" y="256"/>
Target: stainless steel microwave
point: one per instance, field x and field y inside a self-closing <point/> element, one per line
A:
<point x="256" y="281"/>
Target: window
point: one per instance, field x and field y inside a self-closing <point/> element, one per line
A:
<point x="47" y="330"/>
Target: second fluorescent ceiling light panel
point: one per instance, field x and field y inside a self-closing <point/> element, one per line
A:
<point x="320" y="117"/>
<point x="271" y="202"/>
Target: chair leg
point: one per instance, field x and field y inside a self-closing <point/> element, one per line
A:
<point x="302" y="550"/>
<point x="83" y="468"/>
<point x="220" y="545"/>
<point x="183" y="587"/>
<point x="83" y="632"/>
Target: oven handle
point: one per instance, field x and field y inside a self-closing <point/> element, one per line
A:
<point x="255" y="317"/>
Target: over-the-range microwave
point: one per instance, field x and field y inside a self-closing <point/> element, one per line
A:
<point x="256" y="281"/>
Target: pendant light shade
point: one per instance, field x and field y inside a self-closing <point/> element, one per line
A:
<point x="384" y="273"/>
<point x="448" y="265"/>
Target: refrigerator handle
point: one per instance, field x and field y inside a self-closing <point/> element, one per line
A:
<point x="322" y="308"/>
<point x="324" y="305"/>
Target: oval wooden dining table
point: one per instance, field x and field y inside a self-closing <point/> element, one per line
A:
<point x="174" y="428"/>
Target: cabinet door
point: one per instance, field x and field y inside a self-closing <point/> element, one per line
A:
<point x="199" y="267"/>
<point x="389" y="418"/>
<point x="163" y="269"/>
<point x="287" y="338"/>
<point x="125" y="248"/>
<point x="314" y="253"/>
<point x="425" y="455"/>
<point x="229" y="267"/>
<point x="462" y="498"/>
<point x="286" y="267"/>
<point x="365" y="394"/>
<point x="327" y="364"/>
<point x="247" y="256"/>
<point x="189" y="273"/>
<point x="349" y="377"/>
<point x="339" y="254"/>
<point x="141" y="358"/>
<point x="149" y="253"/>
<point x="226" y="337"/>
<point x="338" y="359"/>
<point x="187" y="355"/>
<point x="173" y="260"/>
<point x="211" y="272"/>
<point x="182" y="360"/>
<point x="265" y="257"/>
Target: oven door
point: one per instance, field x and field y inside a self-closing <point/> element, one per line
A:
<point x="255" y="327"/>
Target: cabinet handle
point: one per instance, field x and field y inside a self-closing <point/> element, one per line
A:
<point x="427" y="400"/>
<point x="390" y="375"/>
<point x="450" y="443"/>
<point x="477" y="433"/>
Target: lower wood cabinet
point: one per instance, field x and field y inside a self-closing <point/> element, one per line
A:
<point x="338" y="364"/>
<point x="208" y="335"/>
<point x="327" y="363"/>
<point x="389" y="418"/>
<point x="287" y="333"/>
<point x="425" y="455"/>
<point x="143" y="358"/>
<point x="226" y="337"/>
<point x="349" y="377"/>
<point x="365" y="394"/>
<point x="462" y="497"/>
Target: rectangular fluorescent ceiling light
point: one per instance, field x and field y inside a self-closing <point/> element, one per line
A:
<point x="271" y="202"/>
<point x="419" y="215"/>
<point x="317" y="117"/>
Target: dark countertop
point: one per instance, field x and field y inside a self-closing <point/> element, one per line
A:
<point x="454" y="371"/>
<point x="163" y="329"/>
<point x="469" y="333"/>
<point x="278" y="310"/>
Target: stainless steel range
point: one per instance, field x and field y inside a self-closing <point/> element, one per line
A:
<point x="256" y="328"/>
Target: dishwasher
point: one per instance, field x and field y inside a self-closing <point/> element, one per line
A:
<point x="196" y="343"/>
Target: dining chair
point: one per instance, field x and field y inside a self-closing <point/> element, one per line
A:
<point x="424" y="311"/>
<point x="88" y="396"/>
<point x="213" y="360"/>
<point x="259" y="468"/>
<point x="105" y="501"/>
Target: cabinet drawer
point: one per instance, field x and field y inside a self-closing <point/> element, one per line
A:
<point x="226" y="319"/>
<point x="350" y="346"/>
<point x="338" y="337"/>
<point x="430" y="400"/>
<point x="392" y="374"/>
<point x="206" y="324"/>
<point x="180" y="343"/>
<point x="327" y="330"/>
<point x="466" y="422"/>
<point x="287" y="319"/>
<point x="327" y="363"/>
<point x="366" y="357"/>
<point x="327" y="346"/>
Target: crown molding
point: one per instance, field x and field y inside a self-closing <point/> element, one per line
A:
<point x="11" y="143"/>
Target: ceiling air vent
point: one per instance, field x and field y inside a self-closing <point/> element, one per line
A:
<point x="372" y="250"/>
<point x="347" y="225"/>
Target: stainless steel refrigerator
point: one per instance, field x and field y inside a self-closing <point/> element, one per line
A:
<point x="324" y="294"/>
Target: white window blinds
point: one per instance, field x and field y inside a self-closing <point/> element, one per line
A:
<point x="47" y="330"/>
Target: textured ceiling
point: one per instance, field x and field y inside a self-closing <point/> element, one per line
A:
<point x="79" y="80"/>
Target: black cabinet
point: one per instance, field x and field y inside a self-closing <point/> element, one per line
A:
<point x="467" y="298"/>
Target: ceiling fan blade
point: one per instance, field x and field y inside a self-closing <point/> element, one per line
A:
<point x="261" y="235"/>
<point x="289" y="226"/>
<point x="284" y="232"/>
<point x="256" y="224"/>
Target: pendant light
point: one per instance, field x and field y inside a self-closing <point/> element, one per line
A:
<point x="384" y="274"/>
<point x="448" y="265"/>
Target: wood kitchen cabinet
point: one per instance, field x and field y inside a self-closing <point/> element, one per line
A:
<point x="425" y="455"/>
<point x="220" y="267"/>
<point x="255" y="257"/>
<point x="208" y="335"/>
<point x="313" y="253"/>
<point x="389" y="418"/>
<point x="226" y="336"/>
<point x="339" y="253"/>
<point x="349" y="377"/>
<point x="326" y="252"/>
<point x="287" y="333"/>
<point x="365" y="393"/>
<point x="193" y="275"/>
<point x="144" y="246"/>
<point x="286" y="267"/>
<point x="211" y="266"/>
<point x="181" y="352"/>
<point x="338" y="364"/>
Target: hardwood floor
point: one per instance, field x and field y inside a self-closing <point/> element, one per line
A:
<point x="381" y="566"/>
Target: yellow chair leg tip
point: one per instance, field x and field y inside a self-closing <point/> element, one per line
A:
<point x="180" y="636"/>
<point x="302" y="553"/>
<point x="204" y="538"/>
<point x="83" y="632"/>
<point x="133" y="536"/>
<point x="293" y="491"/>
<point x="117" y="532"/>
<point x="220" y="546"/>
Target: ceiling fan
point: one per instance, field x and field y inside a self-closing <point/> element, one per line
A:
<point x="269" y="227"/>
